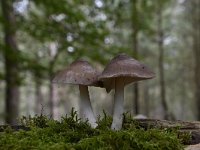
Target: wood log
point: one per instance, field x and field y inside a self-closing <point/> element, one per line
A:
<point x="155" y="123"/>
<point x="193" y="147"/>
<point x="192" y="127"/>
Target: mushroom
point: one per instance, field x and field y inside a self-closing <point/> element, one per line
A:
<point x="121" y="71"/>
<point x="81" y="73"/>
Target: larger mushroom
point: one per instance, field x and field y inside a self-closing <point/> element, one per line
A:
<point x="81" y="73"/>
<point x="121" y="71"/>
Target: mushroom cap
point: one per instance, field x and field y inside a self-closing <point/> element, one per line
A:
<point x="79" y="72"/>
<point x="123" y="66"/>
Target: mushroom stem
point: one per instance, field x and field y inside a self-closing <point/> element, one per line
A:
<point x="118" y="104"/>
<point x="86" y="107"/>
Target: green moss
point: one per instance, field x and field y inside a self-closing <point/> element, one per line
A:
<point x="71" y="133"/>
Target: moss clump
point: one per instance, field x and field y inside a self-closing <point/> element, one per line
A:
<point x="71" y="133"/>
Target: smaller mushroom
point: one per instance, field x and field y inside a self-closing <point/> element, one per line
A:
<point x="121" y="71"/>
<point x="81" y="73"/>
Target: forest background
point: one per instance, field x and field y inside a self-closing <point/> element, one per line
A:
<point x="40" y="37"/>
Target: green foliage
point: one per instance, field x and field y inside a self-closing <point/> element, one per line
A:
<point x="105" y="122"/>
<point x="37" y="121"/>
<point x="71" y="133"/>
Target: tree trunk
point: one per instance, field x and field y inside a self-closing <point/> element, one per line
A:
<point x="38" y="97"/>
<point x="11" y="63"/>
<point x="146" y="99"/>
<point x="161" y="63"/>
<point x="51" y="99"/>
<point x="53" y="55"/>
<point x="135" y="52"/>
<point x="196" y="48"/>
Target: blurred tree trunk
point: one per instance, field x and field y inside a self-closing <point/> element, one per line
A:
<point x="161" y="62"/>
<point x="53" y="100"/>
<point x="11" y="63"/>
<point x="146" y="99"/>
<point x="196" y="48"/>
<point x="51" y="94"/>
<point x="135" y="52"/>
<point x="38" y="96"/>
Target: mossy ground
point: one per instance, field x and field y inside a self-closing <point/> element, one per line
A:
<point x="71" y="133"/>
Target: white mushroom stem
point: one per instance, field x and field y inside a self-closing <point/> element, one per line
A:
<point x="86" y="107"/>
<point x="118" y="104"/>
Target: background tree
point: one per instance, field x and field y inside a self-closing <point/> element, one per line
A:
<point x="161" y="58"/>
<point x="135" y="27"/>
<point x="193" y="8"/>
<point x="11" y="57"/>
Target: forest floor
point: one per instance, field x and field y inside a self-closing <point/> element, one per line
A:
<point x="40" y="132"/>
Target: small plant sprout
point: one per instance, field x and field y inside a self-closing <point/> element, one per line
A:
<point x="121" y="71"/>
<point x="81" y="73"/>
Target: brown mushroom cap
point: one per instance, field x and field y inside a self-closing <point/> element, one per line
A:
<point x="127" y="67"/>
<point x="79" y="72"/>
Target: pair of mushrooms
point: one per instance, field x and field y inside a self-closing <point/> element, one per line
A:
<point x="121" y="71"/>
